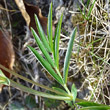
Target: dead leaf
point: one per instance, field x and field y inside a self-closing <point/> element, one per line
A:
<point x="31" y="10"/>
<point x="28" y="12"/>
<point x="7" y="56"/>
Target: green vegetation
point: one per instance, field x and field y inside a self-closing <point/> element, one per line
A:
<point x="49" y="47"/>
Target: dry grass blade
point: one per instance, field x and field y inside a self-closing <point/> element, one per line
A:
<point x="21" y="7"/>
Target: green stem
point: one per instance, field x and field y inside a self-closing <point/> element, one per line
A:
<point x="34" y="92"/>
<point x="30" y="81"/>
<point x="67" y="89"/>
<point x="58" y="73"/>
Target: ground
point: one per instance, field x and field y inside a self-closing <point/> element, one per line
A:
<point x="90" y="62"/>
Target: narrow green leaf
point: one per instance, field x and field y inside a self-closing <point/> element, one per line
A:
<point x="34" y="92"/>
<point x="92" y="106"/>
<point x="68" y="55"/>
<point x="46" y="65"/>
<point x="49" y="27"/>
<point x="56" y="42"/>
<point x="42" y="35"/>
<point x="90" y="9"/>
<point x="83" y="14"/>
<point x="88" y="2"/>
<point x="88" y="104"/>
<point x="60" y="90"/>
<point x="74" y="92"/>
<point x="42" y="48"/>
<point x="84" y="9"/>
<point x="96" y="108"/>
<point x="3" y="79"/>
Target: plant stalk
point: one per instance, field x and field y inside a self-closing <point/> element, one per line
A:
<point x="66" y="89"/>
<point x="34" y="92"/>
<point x="30" y="81"/>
